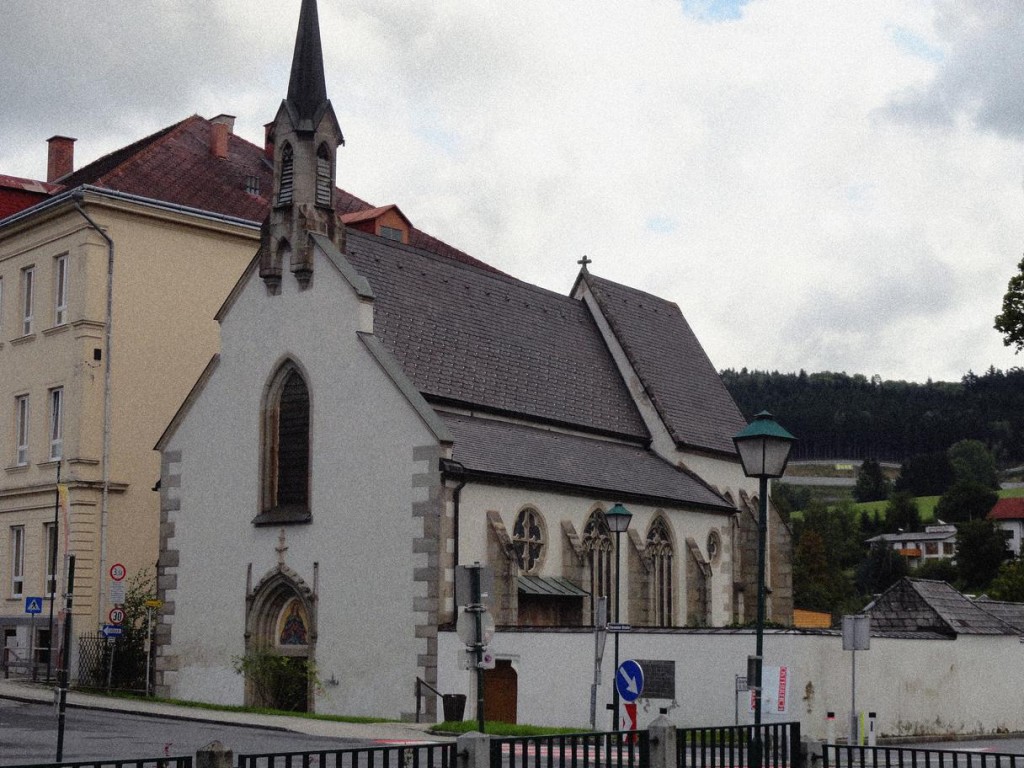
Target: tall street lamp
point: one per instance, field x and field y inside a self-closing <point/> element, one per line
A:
<point x="618" y="518"/>
<point x="764" y="450"/>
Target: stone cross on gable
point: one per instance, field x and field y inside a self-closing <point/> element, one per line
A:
<point x="281" y="548"/>
<point x="584" y="261"/>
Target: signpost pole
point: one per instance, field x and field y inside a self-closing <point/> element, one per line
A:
<point x="478" y="609"/>
<point x="64" y="672"/>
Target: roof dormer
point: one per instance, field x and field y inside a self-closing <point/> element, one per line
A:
<point x="387" y="221"/>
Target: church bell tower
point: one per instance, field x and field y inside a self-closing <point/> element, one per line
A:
<point x="306" y="137"/>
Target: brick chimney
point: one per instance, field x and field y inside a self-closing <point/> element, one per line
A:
<point x="222" y="127"/>
<point x="60" y="157"/>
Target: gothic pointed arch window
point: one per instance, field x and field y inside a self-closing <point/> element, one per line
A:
<point x="598" y="544"/>
<point x="528" y="540"/>
<point x="285" y="188"/>
<point x="324" y="176"/>
<point x="661" y="553"/>
<point x="286" y="449"/>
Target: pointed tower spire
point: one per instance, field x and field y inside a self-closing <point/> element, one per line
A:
<point x="307" y="88"/>
<point x="306" y="137"/>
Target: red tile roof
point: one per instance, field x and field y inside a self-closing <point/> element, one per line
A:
<point x="16" y="193"/>
<point x="1008" y="509"/>
<point x="176" y="165"/>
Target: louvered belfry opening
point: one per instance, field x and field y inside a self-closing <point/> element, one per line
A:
<point x="293" y="443"/>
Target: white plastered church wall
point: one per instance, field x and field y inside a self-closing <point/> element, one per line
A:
<point x="363" y="490"/>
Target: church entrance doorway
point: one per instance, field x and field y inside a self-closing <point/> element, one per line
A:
<point x="501" y="692"/>
<point x="279" y="663"/>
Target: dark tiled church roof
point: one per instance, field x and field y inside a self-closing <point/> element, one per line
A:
<point x="175" y="165"/>
<point x="614" y="470"/>
<point x="677" y="374"/>
<point x="471" y="337"/>
<point x="920" y="605"/>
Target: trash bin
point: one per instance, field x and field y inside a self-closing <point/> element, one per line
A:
<point x="454" y="705"/>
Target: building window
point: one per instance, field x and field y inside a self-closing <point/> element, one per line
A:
<point x="931" y="548"/>
<point x="17" y="560"/>
<point x="391" y="233"/>
<point x="285" y="187"/>
<point x="56" y="423"/>
<point x="50" y="537"/>
<point x="528" y="539"/>
<point x="659" y="549"/>
<point x="60" y="290"/>
<point x="286" y="454"/>
<point x="28" y="288"/>
<point x="324" y="177"/>
<point x="948" y="548"/>
<point x="21" y="414"/>
<point x="597" y="541"/>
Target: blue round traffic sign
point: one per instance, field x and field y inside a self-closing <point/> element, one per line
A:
<point x="629" y="680"/>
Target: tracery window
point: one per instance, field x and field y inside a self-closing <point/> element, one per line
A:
<point x="659" y="549"/>
<point x="528" y="539"/>
<point x="324" y="176"/>
<point x="286" y="186"/>
<point x="286" y="452"/>
<point x="597" y="541"/>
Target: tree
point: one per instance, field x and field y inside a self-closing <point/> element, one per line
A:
<point x="972" y="462"/>
<point x="882" y="568"/>
<point x="943" y="569"/>
<point x="901" y="513"/>
<point x="818" y="585"/>
<point x="1009" y="582"/>
<point x="965" y="501"/>
<point x="1010" y="322"/>
<point x="872" y="484"/>
<point x="980" y="551"/>
<point x="926" y="474"/>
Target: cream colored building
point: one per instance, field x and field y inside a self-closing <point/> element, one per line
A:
<point x="172" y="267"/>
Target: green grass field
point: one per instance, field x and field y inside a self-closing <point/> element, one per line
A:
<point x="925" y="505"/>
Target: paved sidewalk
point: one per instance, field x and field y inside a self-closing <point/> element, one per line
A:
<point x="20" y="690"/>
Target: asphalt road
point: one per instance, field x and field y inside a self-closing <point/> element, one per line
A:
<point x="28" y="734"/>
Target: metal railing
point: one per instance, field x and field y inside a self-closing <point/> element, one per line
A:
<point x="150" y="762"/>
<point x="616" y="749"/>
<point x="405" y="756"/>
<point x="852" y="756"/>
<point x="732" y="746"/>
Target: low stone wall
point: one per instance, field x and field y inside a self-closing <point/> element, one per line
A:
<point x="971" y="685"/>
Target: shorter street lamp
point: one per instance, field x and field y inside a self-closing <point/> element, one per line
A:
<point x="618" y="518"/>
<point x="764" y="450"/>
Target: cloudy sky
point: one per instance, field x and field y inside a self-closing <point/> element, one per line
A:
<point x="819" y="184"/>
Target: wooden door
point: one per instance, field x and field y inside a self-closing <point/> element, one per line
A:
<point x="501" y="692"/>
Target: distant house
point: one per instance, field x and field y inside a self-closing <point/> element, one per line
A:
<point x="935" y="543"/>
<point x="1008" y="515"/>
<point x="935" y="608"/>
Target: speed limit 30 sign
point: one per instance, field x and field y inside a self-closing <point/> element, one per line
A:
<point x="116" y="615"/>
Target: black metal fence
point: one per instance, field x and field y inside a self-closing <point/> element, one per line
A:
<point x="111" y="663"/>
<point x="843" y="756"/>
<point x="156" y="762"/>
<point x="731" y="746"/>
<point x="405" y="756"/>
<point x="617" y="749"/>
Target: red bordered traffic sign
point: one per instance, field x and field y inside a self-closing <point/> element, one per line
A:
<point x="118" y="572"/>
<point x="116" y="615"/>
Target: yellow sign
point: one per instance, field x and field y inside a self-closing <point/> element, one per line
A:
<point x="154" y="603"/>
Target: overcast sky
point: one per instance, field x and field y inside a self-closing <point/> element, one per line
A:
<point x="819" y="184"/>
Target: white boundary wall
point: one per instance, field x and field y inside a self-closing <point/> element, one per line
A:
<point x="974" y="684"/>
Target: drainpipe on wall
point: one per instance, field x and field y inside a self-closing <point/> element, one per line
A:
<point x="78" y="196"/>
<point x="456" y="471"/>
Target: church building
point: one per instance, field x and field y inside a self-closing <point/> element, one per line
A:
<point x="380" y="415"/>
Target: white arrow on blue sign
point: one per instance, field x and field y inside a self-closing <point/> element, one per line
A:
<point x="112" y="630"/>
<point x="33" y="605"/>
<point x="630" y="680"/>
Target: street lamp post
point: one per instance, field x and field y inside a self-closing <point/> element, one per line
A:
<point x="618" y="518"/>
<point x="764" y="450"/>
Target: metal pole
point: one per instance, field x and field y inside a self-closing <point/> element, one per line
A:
<point x="64" y="672"/>
<point x="762" y="525"/>
<point x="478" y="608"/>
<point x="52" y="585"/>
<point x="149" y="650"/>
<point x="615" y="670"/>
<point x="853" y="699"/>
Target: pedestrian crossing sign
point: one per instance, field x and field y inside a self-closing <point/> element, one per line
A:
<point x="33" y="605"/>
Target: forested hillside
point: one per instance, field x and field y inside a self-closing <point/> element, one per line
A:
<point x="842" y="416"/>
